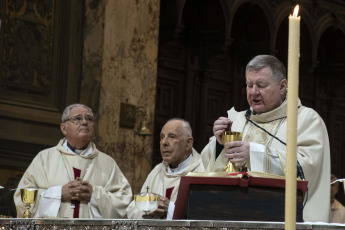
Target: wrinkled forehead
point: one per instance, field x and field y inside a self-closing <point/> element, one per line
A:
<point x="172" y="127"/>
<point x="263" y="74"/>
<point x="80" y="110"/>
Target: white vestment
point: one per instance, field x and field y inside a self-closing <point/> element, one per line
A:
<point x="52" y="168"/>
<point x="164" y="182"/>
<point x="269" y="155"/>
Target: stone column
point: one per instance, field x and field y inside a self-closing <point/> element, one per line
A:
<point x="128" y="75"/>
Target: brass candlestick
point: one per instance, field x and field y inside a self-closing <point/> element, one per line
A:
<point x="28" y="197"/>
<point x="228" y="136"/>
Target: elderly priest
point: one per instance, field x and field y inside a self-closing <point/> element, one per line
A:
<point x="179" y="158"/>
<point x="263" y="146"/>
<point x="74" y="179"/>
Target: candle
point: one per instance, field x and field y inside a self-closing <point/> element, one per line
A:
<point x="292" y="104"/>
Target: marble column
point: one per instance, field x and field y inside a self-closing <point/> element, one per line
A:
<point x="120" y="52"/>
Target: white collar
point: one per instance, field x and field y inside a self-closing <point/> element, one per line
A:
<point x="181" y="167"/>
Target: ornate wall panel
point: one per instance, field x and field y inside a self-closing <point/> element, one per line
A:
<point x="27" y="55"/>
<point x="40" y="53"/>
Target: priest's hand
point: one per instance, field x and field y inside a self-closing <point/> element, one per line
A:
<point x="84" y="192"/>
<point x="219" y="127"/>
<point x="237" y="151"/>
<point x="162" y="210"/>
<point x="77" y="190"/>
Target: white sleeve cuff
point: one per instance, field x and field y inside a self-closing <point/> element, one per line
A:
<point x="49" y="202"/>
<point x="171" y="210"/>
<point x="257" y="156"/>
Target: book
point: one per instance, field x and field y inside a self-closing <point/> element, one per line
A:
<point x="243" y="196"/>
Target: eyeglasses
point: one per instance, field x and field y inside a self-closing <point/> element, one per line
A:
<point x="79" y="119"/>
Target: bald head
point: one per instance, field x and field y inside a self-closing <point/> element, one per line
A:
<point x="176" y="141"/>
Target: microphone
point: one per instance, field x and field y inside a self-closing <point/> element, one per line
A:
<point x="299" y="167"/>
<point x="248" y="113"/>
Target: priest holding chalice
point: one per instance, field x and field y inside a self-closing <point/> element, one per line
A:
<point x="262" y="146"/>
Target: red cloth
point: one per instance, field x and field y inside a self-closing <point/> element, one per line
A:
<point x="168" y="192"/>
<point x="77" y="173"/>
<point x="236" y="173"/>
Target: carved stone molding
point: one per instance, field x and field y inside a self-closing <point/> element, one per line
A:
<point x="122" y="224"/>
<point x="21" y="224"/>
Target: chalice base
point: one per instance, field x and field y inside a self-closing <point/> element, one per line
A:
<point x="230" y="167"/>
<point x="27" y="213"/>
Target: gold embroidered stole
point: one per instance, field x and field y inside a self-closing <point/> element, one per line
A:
<point x="257" y="135"/>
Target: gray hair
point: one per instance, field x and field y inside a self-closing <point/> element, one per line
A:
<point x="67" y="111"/>
<point x="187" y="130"/>
<point x="262" y="61"/>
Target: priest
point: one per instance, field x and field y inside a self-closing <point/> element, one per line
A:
<point x="179" y="158"/>
<point x="74" y="179"/>
<point x="263" y="146"/>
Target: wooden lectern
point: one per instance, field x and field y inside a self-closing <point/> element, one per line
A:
<point x="242" y="197"/>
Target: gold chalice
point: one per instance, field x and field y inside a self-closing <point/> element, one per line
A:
<point x="228" y="136"/>
<point x="28" y="196"/>
<point x="146" y="201"/>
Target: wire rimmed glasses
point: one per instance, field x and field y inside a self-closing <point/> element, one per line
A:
<point x="90" y="119"/>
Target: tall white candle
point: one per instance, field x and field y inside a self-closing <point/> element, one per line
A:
<point x="292" y="104"/>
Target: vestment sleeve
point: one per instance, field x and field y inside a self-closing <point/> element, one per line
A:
<point x="34" y="177"/>
<point x="50" y="201"/>
<point x="208" y="154"/>
<point x="114" y="197"/>
<point x="132" y="211"/>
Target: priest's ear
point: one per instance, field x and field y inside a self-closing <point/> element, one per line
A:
<point x="189" y="144"/>
<point x="63" y="128"/>
<point x="283" y="86"/>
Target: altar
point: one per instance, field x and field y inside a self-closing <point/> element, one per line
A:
<point x="123" y="224"/>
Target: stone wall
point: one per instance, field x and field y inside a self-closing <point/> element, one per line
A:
<point x="120" y="66"/>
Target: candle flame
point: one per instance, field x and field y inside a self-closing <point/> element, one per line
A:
<point x="295" y="12"/>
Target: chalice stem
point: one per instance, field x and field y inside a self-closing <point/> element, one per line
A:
<point x="27" y="213"/>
